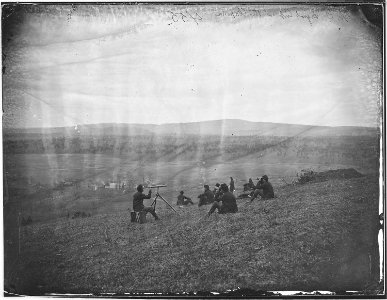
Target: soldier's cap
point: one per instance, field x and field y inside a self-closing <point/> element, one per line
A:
<point x="265" y="177"/>
<point x="139" y="187"/>
<point x="218" y="185"/>
<point x="181" y="192"/>
<point x="206" y="186"/>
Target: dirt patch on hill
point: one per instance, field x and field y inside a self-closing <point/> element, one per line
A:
<point x="312" y="176"/>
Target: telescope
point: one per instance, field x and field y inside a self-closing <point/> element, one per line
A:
<point x="156" y="186"/>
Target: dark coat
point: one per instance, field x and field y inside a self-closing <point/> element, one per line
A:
<point x="267" y="189"/>
<point x="138" y="201"/>
<point x="232" y="186"/>
<point x="210" y="195"/>
<point x="229" y="204"/>
<point x="218" y="195"/>
<point x="206" y="198"/>
<point x="181" y="198"/>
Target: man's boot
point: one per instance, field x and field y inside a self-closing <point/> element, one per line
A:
<point x="155" y="215"/>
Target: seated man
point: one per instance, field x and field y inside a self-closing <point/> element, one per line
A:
<point x="207" y="197"/>
<point x="266" y="187"/>
<point x="251" y="184"/>
<point x="216" y="188"/>
<point x="138" y="202"/>
<point x="218" y="193"/>
<point x="228" y="202"/>
<point x="248" y="186"/>
<point x="183" y="200"/>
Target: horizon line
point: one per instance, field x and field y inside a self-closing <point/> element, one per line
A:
<point x="192" y="122"/>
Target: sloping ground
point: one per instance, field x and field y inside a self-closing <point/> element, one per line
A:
<point x="312" y="176"/>
<point x="343" y="173"/>
<point x="313" y="236"/>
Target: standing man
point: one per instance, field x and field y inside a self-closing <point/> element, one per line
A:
<point x="232" y="186"/>
<point x="228" y="204"/>
<point x="138" y="202"/>
<point x="266" y="187"/>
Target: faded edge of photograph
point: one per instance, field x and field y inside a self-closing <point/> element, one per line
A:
<point x="193" y="149"/>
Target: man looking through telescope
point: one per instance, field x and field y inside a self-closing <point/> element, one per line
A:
<point x="138" y="202"/>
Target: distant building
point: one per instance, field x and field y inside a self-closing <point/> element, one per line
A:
<point x="112" y="185"/>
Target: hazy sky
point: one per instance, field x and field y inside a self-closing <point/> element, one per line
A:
<point x="162" y="64"/>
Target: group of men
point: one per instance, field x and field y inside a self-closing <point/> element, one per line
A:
<point x="209" y="196"/>
<point x="222" y="198"/>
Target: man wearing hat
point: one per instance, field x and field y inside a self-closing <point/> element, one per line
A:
<point x="138" y="202"/>
<point x="266" y="187"/>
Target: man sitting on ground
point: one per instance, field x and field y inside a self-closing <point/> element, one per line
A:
<point x="183" y="200"/>
<point x="227" y="203"/>
<point x="266" y="187"/>
<point x="216" y="188"/>
<point x="207" y="197"/>
<point x="248" y="186"/>
<point x="218" y="193"/>
<point x="138" y="202"/>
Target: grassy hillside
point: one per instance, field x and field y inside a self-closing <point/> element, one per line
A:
<point x="312" y="236"/>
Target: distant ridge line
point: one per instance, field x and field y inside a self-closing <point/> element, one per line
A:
<point x="186" y="123"/>
<point x="227" y="127"/>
